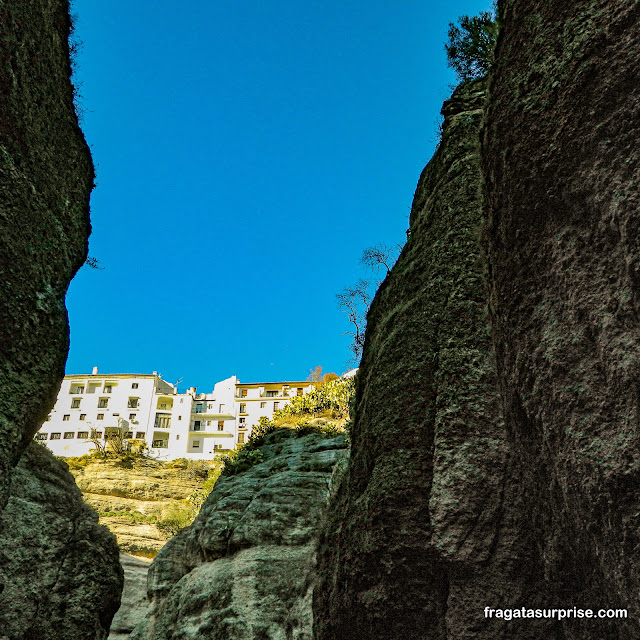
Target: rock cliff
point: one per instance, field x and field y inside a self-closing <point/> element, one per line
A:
<point x="46" y="176"/>
<point x="245" y="568"/>
<point x="134" y="496"/>
<point x="562" y="170"/>
<point x="59" y="571"/>
<point x="495" y="446"/>
<point x="135" y="606"/>
<point x="420" y="538"/>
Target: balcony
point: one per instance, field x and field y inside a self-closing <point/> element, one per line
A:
<point x="162" y="421"/>
<point x="160" y="444"/>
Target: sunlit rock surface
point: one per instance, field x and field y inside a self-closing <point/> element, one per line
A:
<point x="135" y="605"/>
<point x="245" y="568"/>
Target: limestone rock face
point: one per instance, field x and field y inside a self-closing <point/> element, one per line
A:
<point x="134" y="606"/>
<point x="421" y="539"/>
<point x="562" y="169"/>
<point x="245" y="568"/>
<point x="135" y="494"/>
<point x="59" y="568"/>
<point x="46" y="176"/>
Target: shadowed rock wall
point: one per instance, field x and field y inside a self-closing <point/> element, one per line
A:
<point x="46" y="176"/>
<point x="562" y="172"/>
<point x="426" y="528"/>
<point x="58" y="567"/>
<point x="59" y="571"/>
<point x="512" y="481"/>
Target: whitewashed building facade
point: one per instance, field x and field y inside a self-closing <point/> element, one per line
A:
<point x="146" y="408"/>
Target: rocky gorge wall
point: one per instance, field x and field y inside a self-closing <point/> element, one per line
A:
<point x="58" y="568"/>
<point x="245" y="569"/>
<point x="495" y="445"/>
<point x="133" y="496"/>
<point x="46" y="175"/>
<point x="59" y="571"/>
<point x="560" y="155"/>
<point x="422" y="535"/>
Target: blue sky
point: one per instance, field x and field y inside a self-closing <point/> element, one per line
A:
<point x="246" y="154"/>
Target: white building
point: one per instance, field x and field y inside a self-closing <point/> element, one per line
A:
<point x="146" y="408"/>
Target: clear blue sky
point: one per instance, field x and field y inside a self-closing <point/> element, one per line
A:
<point x="246" y="154"/>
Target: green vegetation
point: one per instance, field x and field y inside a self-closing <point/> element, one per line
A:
<point x="328" y="405"/>
<point x="471" y="45"/>
<point x="332" y="397"/>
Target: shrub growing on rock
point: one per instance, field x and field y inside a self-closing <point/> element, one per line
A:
<point x="471" y="44"/>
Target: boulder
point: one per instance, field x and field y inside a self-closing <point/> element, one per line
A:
<point x="245" y="568"/>
<point x="59" y="570"/>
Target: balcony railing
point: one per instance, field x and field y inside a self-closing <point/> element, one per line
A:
<point x="160" y="444"/>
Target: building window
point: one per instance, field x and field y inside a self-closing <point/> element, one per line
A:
<point x="133" y="403"/>
<point x="139" y="435"/>
<point x="196" y="444"/>
<point x="208" y="423"/>
<point x="243" y="422"/>
<point x="134" y="385"/>
<point x="83" y="416"/>
<point x="163" y="420"/>
<point x="240" y="438"/>
<point x="76" y="389"/>
<point x="221" y="409"/>
<point x="220" y="425"/>
<point x="75" y="403"/>
<point x="101" y="416"/>
<point x="217" y="447"/>
<point x="65" y="417"/>
<point x="128" y="434"/>
<point x="210" y="406"/>
<point x="83" y="434"/>
<point x="243" y="393"/>
<point x="275" y="406"/>
<point x="103" y="403"/>
<point x="97" y="435"/>
<point x="55" y="436"/>
<point x="41" y="436"/>
<point x="263" y="405"/>
<point x="178" y="437"/>
<point x="68" y="435"/>
<point x="107" y="388"/>
<point x="196" y="425"/>
<point x="272" y="394"/>
<point x="243" y="408"/>
<point x="299" y="391"/>
<point x="198" y="408"/>
<point x="116" y="415"/>
<point x="132" y="417"/>
<point x="179" y="417"/>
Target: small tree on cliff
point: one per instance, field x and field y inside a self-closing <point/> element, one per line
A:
<point x="471" y="45"/>
<point x="355" y="301"/>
